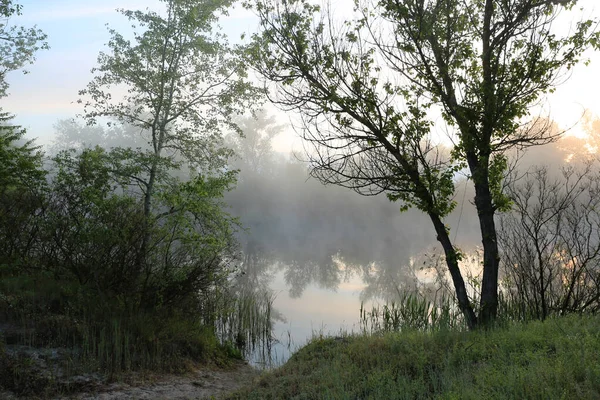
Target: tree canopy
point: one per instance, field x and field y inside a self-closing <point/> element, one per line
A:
<point x="369" y="87"/>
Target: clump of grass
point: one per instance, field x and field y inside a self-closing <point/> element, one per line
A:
<point x="555" y="359"/>
<point x="413" y="311"/>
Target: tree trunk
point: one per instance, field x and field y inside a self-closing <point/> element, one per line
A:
<point x="491" y="259"/>
<point x="150" y="189"/>
<point x="157" y="144"/>
<point x="452" y="262"/>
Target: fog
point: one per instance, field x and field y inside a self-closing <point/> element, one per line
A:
<point x="324" y="234"/>
<point x="322" y="251"/>
<point x="320" y="235"/>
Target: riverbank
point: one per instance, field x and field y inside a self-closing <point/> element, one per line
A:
<point x="555" y="359"/>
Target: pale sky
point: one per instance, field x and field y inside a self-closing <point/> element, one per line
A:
<point x="77" y="32"/>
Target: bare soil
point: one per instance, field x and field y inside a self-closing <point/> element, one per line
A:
<point x="203" y="383"/>
<point x="37" y="367"/>
<point x="200" y="384"/>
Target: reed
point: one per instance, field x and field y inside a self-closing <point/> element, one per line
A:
<point x="412" y="311"/>
<point x="246" y="323"/>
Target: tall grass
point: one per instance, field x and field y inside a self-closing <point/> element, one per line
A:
<point x="412" y="311"/>
<point x="246" y="322"/>
<point x="139" y="343"/>
<point x="110" y="340"/>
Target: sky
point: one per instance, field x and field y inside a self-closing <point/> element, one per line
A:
<point x="77" y="32"/>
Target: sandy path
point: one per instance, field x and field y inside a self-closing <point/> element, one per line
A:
<point x="199" y="384"/>
<point x="196" y="385"/>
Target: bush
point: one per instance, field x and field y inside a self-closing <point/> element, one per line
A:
<point x="88" y="268"/>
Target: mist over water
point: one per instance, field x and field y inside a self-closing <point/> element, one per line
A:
<point x="321" y="251"/>
<point x="324" y="250"/>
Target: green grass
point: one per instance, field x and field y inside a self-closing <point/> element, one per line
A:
<point x="555" y="359"/>
<point x="412" y="311"/>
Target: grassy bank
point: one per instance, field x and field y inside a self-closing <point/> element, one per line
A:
<point x="555" y="359"/>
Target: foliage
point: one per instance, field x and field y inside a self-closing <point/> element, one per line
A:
<point x="367" y="89"/>
<point x="98" y="226"/>
<point x="21" y="181"/>
<point x="555" y="359"/>
<point x="21" y="172"/>
<point x="183" y="84"/>
<point x="18" y="44"/>
<point x="132" y="244"/>
<point x="83" y="266"/>
<point x="20" y="160"/>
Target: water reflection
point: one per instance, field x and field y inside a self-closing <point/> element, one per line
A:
<point x="315" y="295"/>
<point x="321" y="291"/>
<point x="320" y="250"/>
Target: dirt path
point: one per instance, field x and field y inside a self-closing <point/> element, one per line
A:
<point x="200" y="384"/>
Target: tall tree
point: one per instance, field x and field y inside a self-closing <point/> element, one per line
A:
<point x="369" y="89"/>
<point x="178" y="81"/>
<point x="21" y="174"/>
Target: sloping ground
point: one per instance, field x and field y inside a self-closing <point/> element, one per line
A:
<point x="555" y="359"/>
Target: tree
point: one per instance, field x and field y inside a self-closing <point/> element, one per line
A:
<point x="21" y="183"/>
<point x="21" y="172"/>
<point x="182" y="85"/>
<point x="95" y="229"/>
<point x="178" y="84"/>
<point x="369" y="89"/>
<point x="20" y="162"/>
<point x="18" y="44"/>
<point x="550" y="242"/>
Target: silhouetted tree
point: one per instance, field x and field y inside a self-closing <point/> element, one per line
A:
<point x="367" y="87"/>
